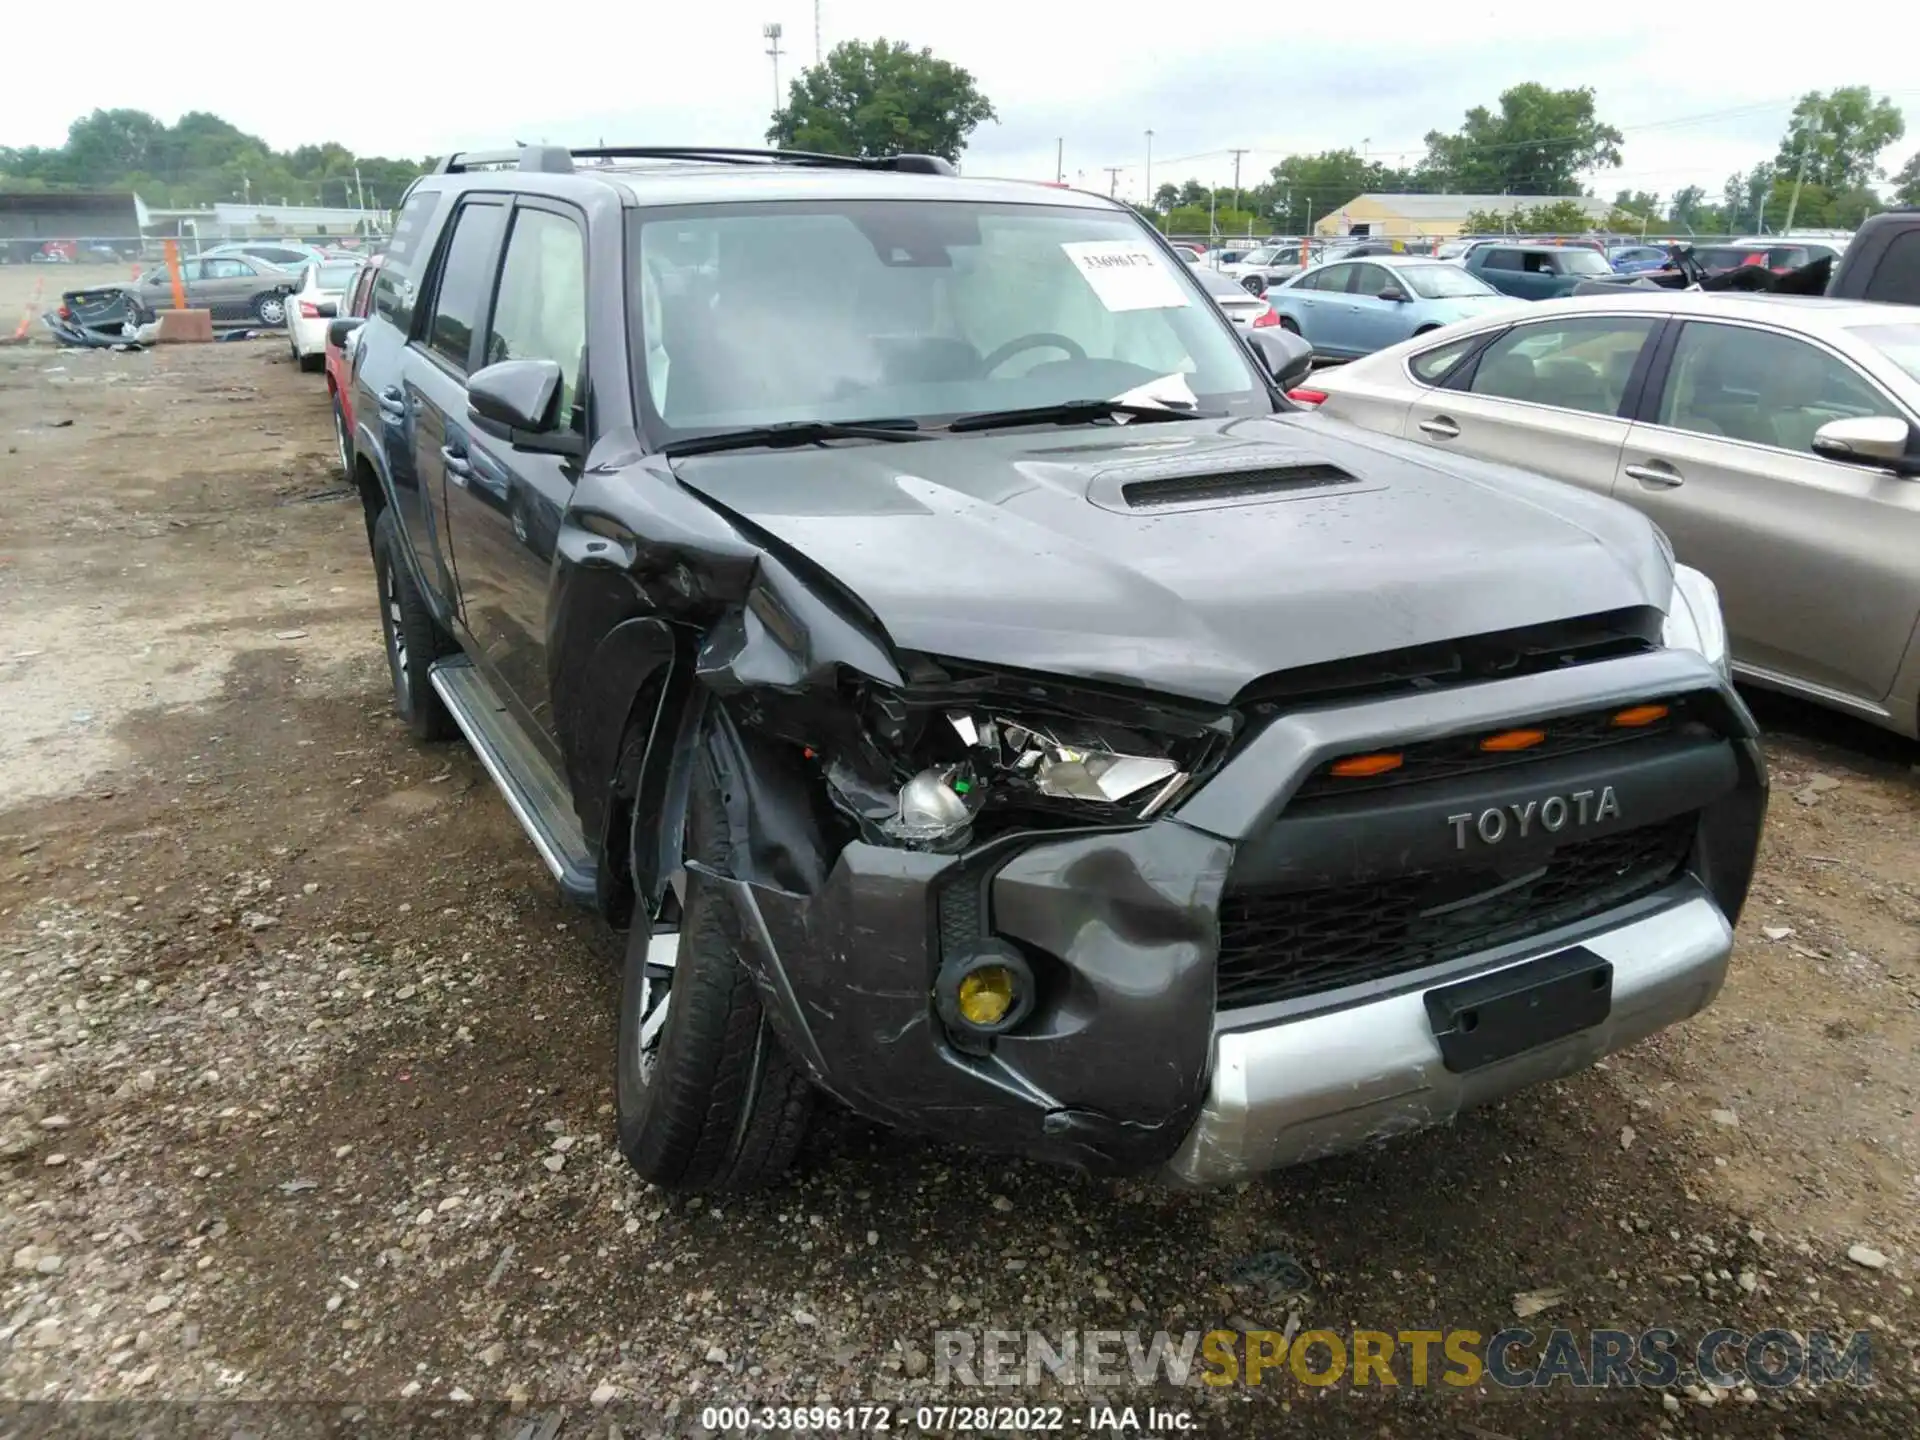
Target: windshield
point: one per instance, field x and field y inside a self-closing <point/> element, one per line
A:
<point x="1580" y="261"/>
<point x="849" y="310"/>
<point x="1899" y="343"/>
<point x="1442" y="282"/>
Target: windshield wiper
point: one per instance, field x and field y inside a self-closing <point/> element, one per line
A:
<point x="796" y="432"/>
<point x="1071" y="412"/>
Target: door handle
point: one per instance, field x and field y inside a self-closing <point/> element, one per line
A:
<point x="393" y="401"/>
<point x="458" y="466"/>
<point x="1440" y="428"/>
<point x="1656" y="475"/>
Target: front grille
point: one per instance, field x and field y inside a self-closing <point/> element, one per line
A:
<point x="1280" y="945"/>
<point x="1459" y="755"/>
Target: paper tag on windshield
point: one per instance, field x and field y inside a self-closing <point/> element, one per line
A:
<point x="1126" y="274"/>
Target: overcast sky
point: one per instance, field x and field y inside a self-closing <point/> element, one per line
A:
<point x="1699" y="91"/>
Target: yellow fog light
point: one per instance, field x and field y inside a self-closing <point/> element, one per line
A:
<point x="982" y="991"/>
<point x="986" y="995"/>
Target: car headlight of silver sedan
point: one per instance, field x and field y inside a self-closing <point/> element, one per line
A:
<point x="1694" y="621"/>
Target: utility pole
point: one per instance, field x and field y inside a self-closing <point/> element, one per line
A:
<point x="772" y="35"/>
<point x="1800" y="175"/>
<point x="1113" y="182"/>
<point x="1149" y="167"/>
<point x="816" y="32"/>
<point x="358" y="189"/>
<point x="1236" y="176"/>
<point x="1060" y="160"/>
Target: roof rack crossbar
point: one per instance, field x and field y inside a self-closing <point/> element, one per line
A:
<point x="558" y="159"/>
<point x="545" y="159"/>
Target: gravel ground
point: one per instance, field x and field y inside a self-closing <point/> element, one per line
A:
<point x="305" y="1073"/>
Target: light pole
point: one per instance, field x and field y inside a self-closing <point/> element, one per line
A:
<point x="772" y="35"/>
<point x="1149" y="167"/>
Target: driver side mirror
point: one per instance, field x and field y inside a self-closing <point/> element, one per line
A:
<point x="1285" y="356"/>
<point x="326" y="310"/>
<point x="1393" y="293"/>
<point x="341" y="330"/>
<point x="1880" y="440"/>
<point x="516" y="400"/>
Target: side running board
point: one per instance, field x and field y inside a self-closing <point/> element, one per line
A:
<point x="535" y="792"/>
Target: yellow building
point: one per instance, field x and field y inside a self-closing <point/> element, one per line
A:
<point x="1437" y="216"/>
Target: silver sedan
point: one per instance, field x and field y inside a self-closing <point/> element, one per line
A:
<point x="1775" y="439"/>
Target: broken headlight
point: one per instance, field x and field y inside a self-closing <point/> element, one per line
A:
<point x="1069" y="761"/>
<point x="1021" y="769"/>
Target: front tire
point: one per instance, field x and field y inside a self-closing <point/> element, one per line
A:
<point x="707" y="1098"/>
<point x="1288" y="323"/>
<point x="414" y="638"/>
<point x="271" y="310"/>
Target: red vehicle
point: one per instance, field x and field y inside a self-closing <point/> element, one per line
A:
<point x="355" y="305"/>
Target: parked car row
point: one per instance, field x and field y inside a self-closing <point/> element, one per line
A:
<point x="1774" y="439"/>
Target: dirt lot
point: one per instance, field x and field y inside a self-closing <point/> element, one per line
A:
<point x="304" y="1072"/>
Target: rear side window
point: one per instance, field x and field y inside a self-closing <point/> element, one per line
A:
<point x="540" y="311"/>
<point x="1573" y="364"/>
<point x="393" y="290"/>
<point x="1761" y="387"/>
<point x="1430" y="367"/>
<point x="466" y="275"/>
<point x="1501" y="260"/>
<point x="1896" y="279"/>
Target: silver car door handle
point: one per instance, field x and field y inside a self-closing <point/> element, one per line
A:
<point x="1657" y="476"/>
<point x="459" y="470"/>
<point x="1440" y="428"/>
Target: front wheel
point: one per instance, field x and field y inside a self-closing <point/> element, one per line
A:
<point x="707" y="1098"/>
<point x="1288" y="324"/>
<point x="414" y="638"/>
<point x="271" y="310"/>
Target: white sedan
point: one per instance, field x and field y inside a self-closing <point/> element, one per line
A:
<point x="315" y="303"/>
<point x="1774" y="438"/>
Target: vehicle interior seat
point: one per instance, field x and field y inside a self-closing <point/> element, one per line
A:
<point x="1510" y="376"/>
<point x="1571" y="382"/>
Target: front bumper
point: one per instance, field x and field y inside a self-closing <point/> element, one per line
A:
<point x="1305" y="1088"/>
<point x="1127" y="1063"/>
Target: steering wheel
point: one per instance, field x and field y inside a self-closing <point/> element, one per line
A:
<point x="1039" y="340"/>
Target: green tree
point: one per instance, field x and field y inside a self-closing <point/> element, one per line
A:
<point x="883" y="98"/>
<point x="1906" y="184"/>
<point x="1166" y="197"/>
<point x="1640" y="204"/>
<point x="1539" y="143"/>
<point x="1690" y="210"/>
<point x="1744" y="196"/>
<point x="200" y="159"/>
<point x="1840" y="133"/>
<point x="1563" y="217"/>
<point x="1303" y="189"/>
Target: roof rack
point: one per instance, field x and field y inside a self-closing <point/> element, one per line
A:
<point x="558" y="159"/>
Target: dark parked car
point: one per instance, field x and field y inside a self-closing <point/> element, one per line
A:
<point x="906" y="607"/>
<point x="1536" y="272"/>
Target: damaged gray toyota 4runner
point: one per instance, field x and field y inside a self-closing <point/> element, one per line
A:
<point x="904" y="607"/>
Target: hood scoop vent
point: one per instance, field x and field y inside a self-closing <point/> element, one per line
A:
<point x="1233" y="487"/>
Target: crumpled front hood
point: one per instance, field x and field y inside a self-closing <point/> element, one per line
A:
<point x="1022" y="550"/>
